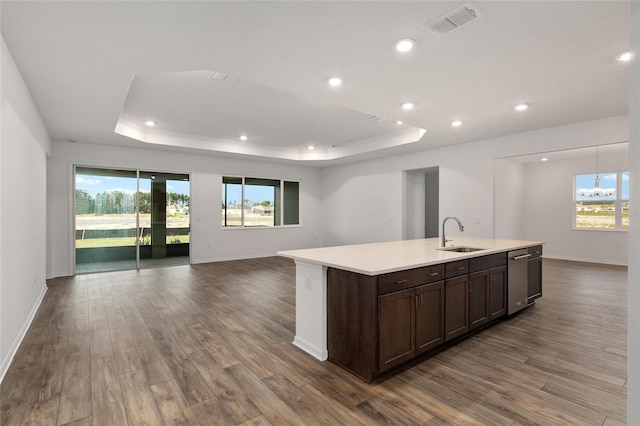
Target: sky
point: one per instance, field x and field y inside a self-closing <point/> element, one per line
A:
<point x="96" y="184"/>
<point x="254" y="193"/>
<point x="607" y="180"/>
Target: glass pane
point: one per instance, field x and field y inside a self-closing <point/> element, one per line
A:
<point x="291" y="203"/>
<point x="600" y="186"/>
<point x="105" y="220"/>
<point x="260" y="201"/>
<point x="625" y="215"/>
<point x="177" y="211"/>
<point x="624" y="196"/>
<point x="595" y="196"/>
<point x="596" y="214"/>
<point x="164" y="219"/>
<point x="231" y="201"/>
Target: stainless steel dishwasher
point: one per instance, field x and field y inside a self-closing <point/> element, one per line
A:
<point x="518" y="283"/>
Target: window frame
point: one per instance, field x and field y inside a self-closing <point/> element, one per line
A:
<point x="279" y="203"/>
<point x="618" y="202"/>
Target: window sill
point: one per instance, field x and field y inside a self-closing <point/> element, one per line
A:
<point x="235" y="228"/>
<point x="600" y="229"/>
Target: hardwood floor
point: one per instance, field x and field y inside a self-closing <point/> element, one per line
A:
<point x="211" y="344"/>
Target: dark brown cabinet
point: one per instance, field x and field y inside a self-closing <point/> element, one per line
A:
<point x="396" y="328"/>
<point x="498" y="293"/>
<point x="456" y="307"/>
<point x="487" y="296"/>
<point x="376" y="323"/>
<point x="410" y="322"/>
<point x="429" y="317"/>
<point x="479" y="283"/>
<point x="534" y="275"/>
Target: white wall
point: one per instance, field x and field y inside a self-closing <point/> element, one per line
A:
<point x="208" y="241"/>
<point x="362" y="202"/>
<point x="23" y="150"/>
<point x="360" y="206"/>
<point x="509" y="203"/>
<point x="633" y="295"/>
<point x="549" y="212"/>
<point x="414" y="204"/>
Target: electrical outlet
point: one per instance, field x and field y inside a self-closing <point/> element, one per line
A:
<point x="308" y="283"/>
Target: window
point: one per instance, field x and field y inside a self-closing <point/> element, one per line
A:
<point x="602" y="201"/>
<point x="259" y="202"/>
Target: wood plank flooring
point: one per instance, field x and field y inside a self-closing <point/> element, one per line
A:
<point x="210" y="344"/>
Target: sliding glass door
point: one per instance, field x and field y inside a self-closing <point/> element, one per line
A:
<point x="164" y="219"/>
<point x="128" y="219"/>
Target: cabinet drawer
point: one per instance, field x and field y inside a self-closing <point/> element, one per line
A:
<point x="487" y="262"/>
<point x="535" y="251"/>
<point x="460" y="267"/>
<point x="396" y="281"/>
<point x="433" y="273"/>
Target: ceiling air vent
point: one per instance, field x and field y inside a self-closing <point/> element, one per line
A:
<point x="454" y="19"/>
<point x="217" y="75"/>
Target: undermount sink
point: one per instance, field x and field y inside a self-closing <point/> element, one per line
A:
<point x="459" y="249"/>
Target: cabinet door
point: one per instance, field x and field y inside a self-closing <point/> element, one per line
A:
<point x="479" y="283"/>
<point x="429" y="316"/>
<point x="456" y="297"/>
<point x="396" y="328"/>
<point x="498" y="293"/>
<point x="535" y="279"/>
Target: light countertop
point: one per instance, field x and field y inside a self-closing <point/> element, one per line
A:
<point x="381" y="258"/>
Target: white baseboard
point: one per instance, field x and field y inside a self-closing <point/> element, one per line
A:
<point x="312" y="350"/>
<point x="58" y="275"/>
<point x="578" y="259"/>
<point x="225" y="259"/>
<point x="6" y="362"/>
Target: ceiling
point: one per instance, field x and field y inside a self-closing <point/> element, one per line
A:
<point x="614" y="149"/>
<point x="208" y="72"/>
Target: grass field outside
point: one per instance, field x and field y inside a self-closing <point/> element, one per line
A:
<point x="600" y="220"/>
<point x="91" y="222"/>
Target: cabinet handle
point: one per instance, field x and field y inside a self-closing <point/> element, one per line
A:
<point x="434" y="274"/>
<point x="401" y="281"/>
<point x="418" y="302"/>
<point x="460" y="268"/>
<point x="524" y="256"/>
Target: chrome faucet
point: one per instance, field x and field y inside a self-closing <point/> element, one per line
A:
<point x="444" y="240"/>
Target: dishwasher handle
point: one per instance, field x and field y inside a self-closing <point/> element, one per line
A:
<point x="524" y="256"/>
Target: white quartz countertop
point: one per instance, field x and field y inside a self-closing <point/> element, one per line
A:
<point x="381" y="258"/>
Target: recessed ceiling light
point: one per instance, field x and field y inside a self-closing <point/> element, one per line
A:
<point x="625" y="57"/>
<point x="404" y="44"/>
<point x="544" y="159"/>
<point x="407" y="106"/>
<point x="311" y="147"/>
<point x="335" y="81"/>
<point x="456" y="123"/>
<point x="244" y="137"/>
<point x="150" y="123"/>
<point x="521" y="107"/>
<point x="398" y="122"/>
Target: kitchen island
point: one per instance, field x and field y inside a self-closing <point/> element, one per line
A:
<point x="358" y="286"/>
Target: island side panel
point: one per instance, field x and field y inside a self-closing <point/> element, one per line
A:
<point x="311" y="309"/>
<point x="352" y="304"/>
